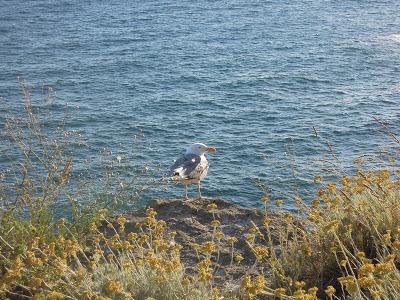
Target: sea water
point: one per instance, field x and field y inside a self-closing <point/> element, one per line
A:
<point x="284" y="89"/>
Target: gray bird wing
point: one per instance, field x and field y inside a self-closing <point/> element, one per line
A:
<point x="188" y="166"/>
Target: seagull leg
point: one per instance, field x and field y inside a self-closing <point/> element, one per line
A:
<point x="186" y="192"/>
<point x="198" y="188"/>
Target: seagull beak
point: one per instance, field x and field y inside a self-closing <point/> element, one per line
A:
<point x="211" y="149"/>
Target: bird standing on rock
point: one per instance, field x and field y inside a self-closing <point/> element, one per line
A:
<point x="192" y="167"/>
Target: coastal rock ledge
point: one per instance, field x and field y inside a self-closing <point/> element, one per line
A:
<point x="191" y="220"/>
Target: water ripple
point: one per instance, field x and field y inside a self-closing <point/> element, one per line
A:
<point x="250" y="77"/>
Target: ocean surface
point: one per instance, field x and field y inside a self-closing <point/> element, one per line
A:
<point x="252" y="78"/>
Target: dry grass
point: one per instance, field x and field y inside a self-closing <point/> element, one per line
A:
<point x="348" y="240"/>
<point x="345" y="243"/>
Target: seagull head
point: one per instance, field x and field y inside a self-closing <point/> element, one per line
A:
<point x="199" y="149"/>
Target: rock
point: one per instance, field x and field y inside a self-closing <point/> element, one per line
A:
<point x="191" y="221"/>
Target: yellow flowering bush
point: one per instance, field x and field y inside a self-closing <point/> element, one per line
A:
<point x="344" y="244"/>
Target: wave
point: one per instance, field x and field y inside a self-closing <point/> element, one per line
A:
<point x="394" y="37"/>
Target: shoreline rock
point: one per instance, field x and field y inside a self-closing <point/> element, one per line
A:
<point x="191" y="220"/>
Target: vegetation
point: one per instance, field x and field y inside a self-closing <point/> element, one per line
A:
<point x="345" y="243"/>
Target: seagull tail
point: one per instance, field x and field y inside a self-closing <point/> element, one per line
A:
<point x="177" y="174"/>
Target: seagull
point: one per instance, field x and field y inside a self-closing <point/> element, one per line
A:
<point x="192" y="166"/>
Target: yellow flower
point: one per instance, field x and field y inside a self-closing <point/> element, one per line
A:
<point x="87" y="295"/>
<point x="205" y="272"/>
<point x="219" y="234"/>
<point x="102" y="213"/>
<point x="212" y="206"/>
<point x="150" y="212"/>
<point x="126" y="245"/>
<point x="260" y="252"/>
<point x="250" y="238"/>
<point x="266" y="221"/>
<point x="289" y="217"/>
<point x="297" y="200"/>
<point x="97" y="297"/>
<point x="195" y="246"/>
<point x="92" y="264"/>
<point x="384" y="268"/>
<point x="60" y="266"/>
<point x="299" y="294"/>
<point x="252" y="288"/>
<point x="35" y="282"/>
<point x="315" y="203"/>
<point x="343" y="262"/>
<point x="346" y="279"/>
<point x="349" y="282"/>
<point x="176" y="248"/>
<point x="80" y="274"/>
<point x="161" y="245"/>
<point x="32" y="260"/>
<point x="71" y="247"/>
<point x="330" y="226"/>
<point x="306" y="249"/>
<point x="345" y="181"/>
<point x="389" y="258"/>
<point x="61" y="222"/>
<point x="366" y="269"/>
<point x="215" y="223"/>
<point x="376" y="294"/>
<point x="330" y="291"/>
<point x="208" y="247"/>
<point x="366" y="282"/>
<point x="216" y="294"/>
<point x="96" y="240"/>
<point x="312" y="291"/>
<point x="125" y="296"/>
<point x="121" y="220"/>
<point x="113" y="286"/>
<point x="238" y="258"/>
<point x="161" y="223"/>
<point x="253" y="230"/>
<point x="386" y="237"/>
<point x="331" y="187"/>
<point x="246" y="283"/>
<point x="396" y="244"/>
<point x="132" y="236"/>
<point x="205" y="275"/>
<point x="92" y="226"/>
<point x="318" y="178"/>
<point x="361" y="254"/>
<point x="186" y="281"/>
<point x="173" y="265"/>
<point x="299" y="284"/>
<point x="259" y="284"/>
<point x="54" y="295"/>
<point x="231" y="240"/>
<point x="127" y="265"/>
<point x="348" y="229"/>
<point x="279" y="291"/>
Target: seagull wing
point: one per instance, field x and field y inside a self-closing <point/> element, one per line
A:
<point x="188" y="166"/>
